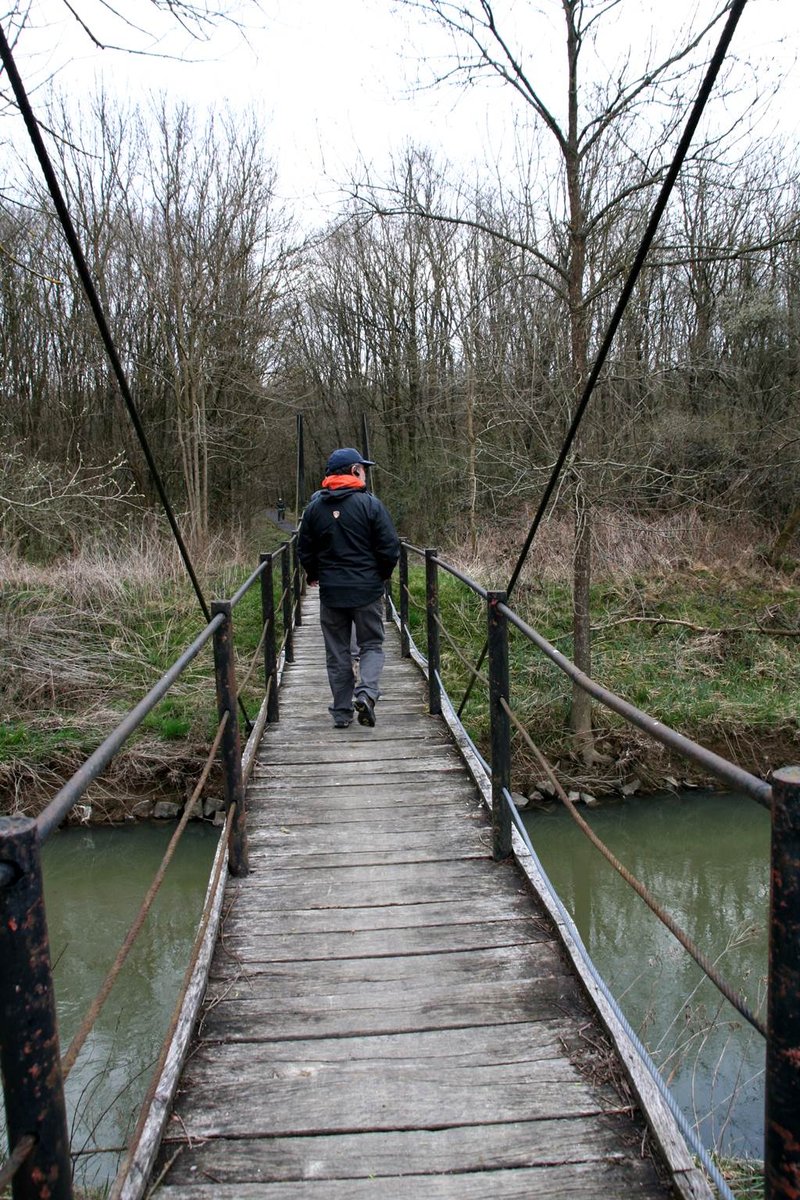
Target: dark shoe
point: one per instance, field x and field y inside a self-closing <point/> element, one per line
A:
<point x="343" y="724"/>
<point x="365" y="710"/>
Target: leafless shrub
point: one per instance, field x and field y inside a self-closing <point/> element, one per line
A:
<point x="624" y="544"/>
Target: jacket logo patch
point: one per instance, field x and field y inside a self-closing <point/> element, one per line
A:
<point x="336" y="512"/>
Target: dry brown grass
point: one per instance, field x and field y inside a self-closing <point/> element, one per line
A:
<point x="623" y="544"/>
<point x="86" y="638"/>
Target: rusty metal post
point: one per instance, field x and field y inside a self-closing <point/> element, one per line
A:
<point x="225" y="674"/>
<point x="500" y="724"/>
<point x="296" y="584"/>
<point x="270" y="641"/>
<point x="782" y="1107"/>
<point x="405" y="646"/>
<point x="29" y="1049"/>
<point x="432" y="613"/>
<point x="288" y="603"/>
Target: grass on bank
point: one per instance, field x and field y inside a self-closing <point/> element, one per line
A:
<point x="706" y="647"/>
<point x="85" y="641"/>
<point x="744" y="1176"/>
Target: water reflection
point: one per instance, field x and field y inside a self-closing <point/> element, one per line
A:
<point x="705" y="857"/>
<point x="95" y="880"/>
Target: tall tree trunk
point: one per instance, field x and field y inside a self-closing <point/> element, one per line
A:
<point x="581" y="712"/>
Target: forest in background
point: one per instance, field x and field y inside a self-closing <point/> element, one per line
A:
<point x="450" y="336"/>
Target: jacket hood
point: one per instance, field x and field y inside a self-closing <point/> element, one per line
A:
<point x="341" y="484"/>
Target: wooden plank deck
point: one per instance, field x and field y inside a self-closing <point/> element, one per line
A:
<point x="389" y="1012"/>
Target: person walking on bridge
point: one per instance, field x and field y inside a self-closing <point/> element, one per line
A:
<point x="348" y="545"/>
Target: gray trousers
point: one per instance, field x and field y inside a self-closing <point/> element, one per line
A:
<point x="338" y="624"/>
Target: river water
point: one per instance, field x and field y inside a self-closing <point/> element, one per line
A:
<point x="95" y="880"/>
<point x="705" y="857"/>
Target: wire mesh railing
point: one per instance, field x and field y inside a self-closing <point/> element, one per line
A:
<point x="33" y="1069"/>
<point x="781" y="795"/>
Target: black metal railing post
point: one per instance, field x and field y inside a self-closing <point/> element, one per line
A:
<point x="271" y="638"/>
<point x="500" y="724"/>
<point x="227" y="700"/>
<point x="297" y="584"/>
<point x="405" y="646"/>
<point x="782" y="1100"/>
<point x="29" y="1051"/>
<point x="288" y="603"/>
<point x="432" y="613"/>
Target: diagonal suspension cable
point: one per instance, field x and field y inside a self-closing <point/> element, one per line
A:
<point x="96" y="306"/>
<point x="736" y="10"/>
<point x="95" y="303"/>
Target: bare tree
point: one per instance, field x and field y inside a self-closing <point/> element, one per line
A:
<point x="611" y="136"/>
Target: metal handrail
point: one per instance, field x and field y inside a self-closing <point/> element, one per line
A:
<point x="71" y="792"/>
<point x="248" y="583"/>
<point x="33" y="1075"/>
<point x="757" y="789"/>
<point x="742" y="780"/>
<point x="782" y="797"/>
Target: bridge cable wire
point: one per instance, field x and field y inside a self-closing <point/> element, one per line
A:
<point x="736" y="10"/>
<point x="166" y="1046"/>
<point x="688" y="1131"/>
<point x="456" y="649"/>
<point x="728" y="991"/>
<point x="96" y="306"/>
<point x="94" y="302"/>
<point x="254" y="661"/>
<point x="75" y="1046"/>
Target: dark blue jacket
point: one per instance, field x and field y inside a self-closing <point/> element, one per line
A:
<point x="348" y="544"/>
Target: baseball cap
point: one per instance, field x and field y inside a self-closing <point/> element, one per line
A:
<point x="346" y="457"/>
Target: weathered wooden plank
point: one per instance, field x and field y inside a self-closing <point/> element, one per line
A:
<point x="411" y="915"/>
<point x="456" y="967"/>
<point x="360" y="752"/>
<point x="286" y="889"/>
<point x="316" y="858"/>
<point x="401" y="1152"/>
<point x="341" y="772"/>
<point x="456" y="880"/>
<point x="373" y="1009"/>
<point x="266" y="814"/>
<point x="308" y="1097"/>
<point x="294" y="849"/>
<point x="559" y="1035"/>
<point x="572" y="1181"/>
<point x="354" y="793"/>
<point x="414" y="813"/>
<point x="256" y="946"/>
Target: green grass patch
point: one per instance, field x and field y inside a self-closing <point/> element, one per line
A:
<point x="87" y="644"/>
<point x="744" y="1176"/>
<point x="703" y="654"/>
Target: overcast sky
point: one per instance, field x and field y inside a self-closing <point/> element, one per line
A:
<point x="335" y="79"/>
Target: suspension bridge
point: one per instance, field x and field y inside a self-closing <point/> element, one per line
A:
<point x="385" y="996"/>
<point x="389" y="1011"/>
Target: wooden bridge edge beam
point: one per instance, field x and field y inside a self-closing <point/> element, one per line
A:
<point x="133" y="1178"/>
<point x="689" y="1180"/>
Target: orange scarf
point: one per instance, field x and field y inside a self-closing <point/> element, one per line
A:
<point x="342" y="481"/>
